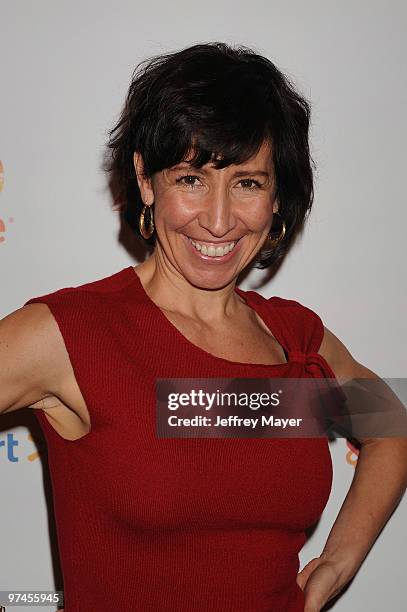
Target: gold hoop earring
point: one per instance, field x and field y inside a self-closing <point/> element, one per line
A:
<point x="274" y="241"/>
<point x="147" y="233"/>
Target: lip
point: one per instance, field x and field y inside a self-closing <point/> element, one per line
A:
<point x="208" y="258"/>
<point x="212" y="243"/>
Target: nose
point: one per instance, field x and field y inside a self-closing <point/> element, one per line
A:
<point x="217" y="216"/>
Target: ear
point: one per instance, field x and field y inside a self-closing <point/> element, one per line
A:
<point x="144" y="183"/>
<point x="276" y="206"/>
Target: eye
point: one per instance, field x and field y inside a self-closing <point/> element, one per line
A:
<point x="256" y="184"/>
<point x="190" y="182"/>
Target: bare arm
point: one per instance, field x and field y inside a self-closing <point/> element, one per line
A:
<point x="366" y="507"/>
<point x="33" y="363"/>
<point x="379" y="482"/>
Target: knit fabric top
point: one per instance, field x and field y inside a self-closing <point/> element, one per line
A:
<point x="177" y="525"/>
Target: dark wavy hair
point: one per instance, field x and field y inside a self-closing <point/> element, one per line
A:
<point x="222" y="102"/>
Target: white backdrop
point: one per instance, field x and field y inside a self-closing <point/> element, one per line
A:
<point x="66" y="68"/>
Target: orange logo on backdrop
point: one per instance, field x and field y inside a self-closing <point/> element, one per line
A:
<point x="352" y="454"/>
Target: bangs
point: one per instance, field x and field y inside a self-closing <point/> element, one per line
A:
<point x="217" y="119"/>
<point x="221" y="150"/>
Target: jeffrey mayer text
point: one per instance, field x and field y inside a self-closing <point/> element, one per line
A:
<point x="232" y="421"/>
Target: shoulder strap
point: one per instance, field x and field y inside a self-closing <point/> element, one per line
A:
<point x="296" y="327"/>
<point x="302" y="327"/>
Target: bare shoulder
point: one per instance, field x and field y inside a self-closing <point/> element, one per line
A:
<point x="346" y="368"/>
<point x="340" y="359"/>
<point x="33" y="354"/>
<point x="35" y="332"/>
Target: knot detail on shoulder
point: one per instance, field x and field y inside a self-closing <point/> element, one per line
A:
<point x="297" y="356"/>
<point x="314" y="363"/>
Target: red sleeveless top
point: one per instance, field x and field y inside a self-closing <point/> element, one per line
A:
<point x="148" y="524"/>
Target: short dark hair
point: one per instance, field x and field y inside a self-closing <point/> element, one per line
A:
<point x="222" y="102"/>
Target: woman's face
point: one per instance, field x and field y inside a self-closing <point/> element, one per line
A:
<point x="213" y="209"/>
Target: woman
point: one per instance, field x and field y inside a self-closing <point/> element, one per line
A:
<point x="212" y="160"/>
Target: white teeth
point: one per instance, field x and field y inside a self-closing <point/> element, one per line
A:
<point x="212" y="251"/>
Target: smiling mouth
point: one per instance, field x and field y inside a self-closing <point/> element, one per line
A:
<point x="213" y="249"/>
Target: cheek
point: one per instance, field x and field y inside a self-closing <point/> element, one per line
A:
<point x="256" y="214"/>
<point x="175" y="211"/>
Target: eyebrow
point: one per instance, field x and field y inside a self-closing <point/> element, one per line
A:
<point x="235" y="174"/>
